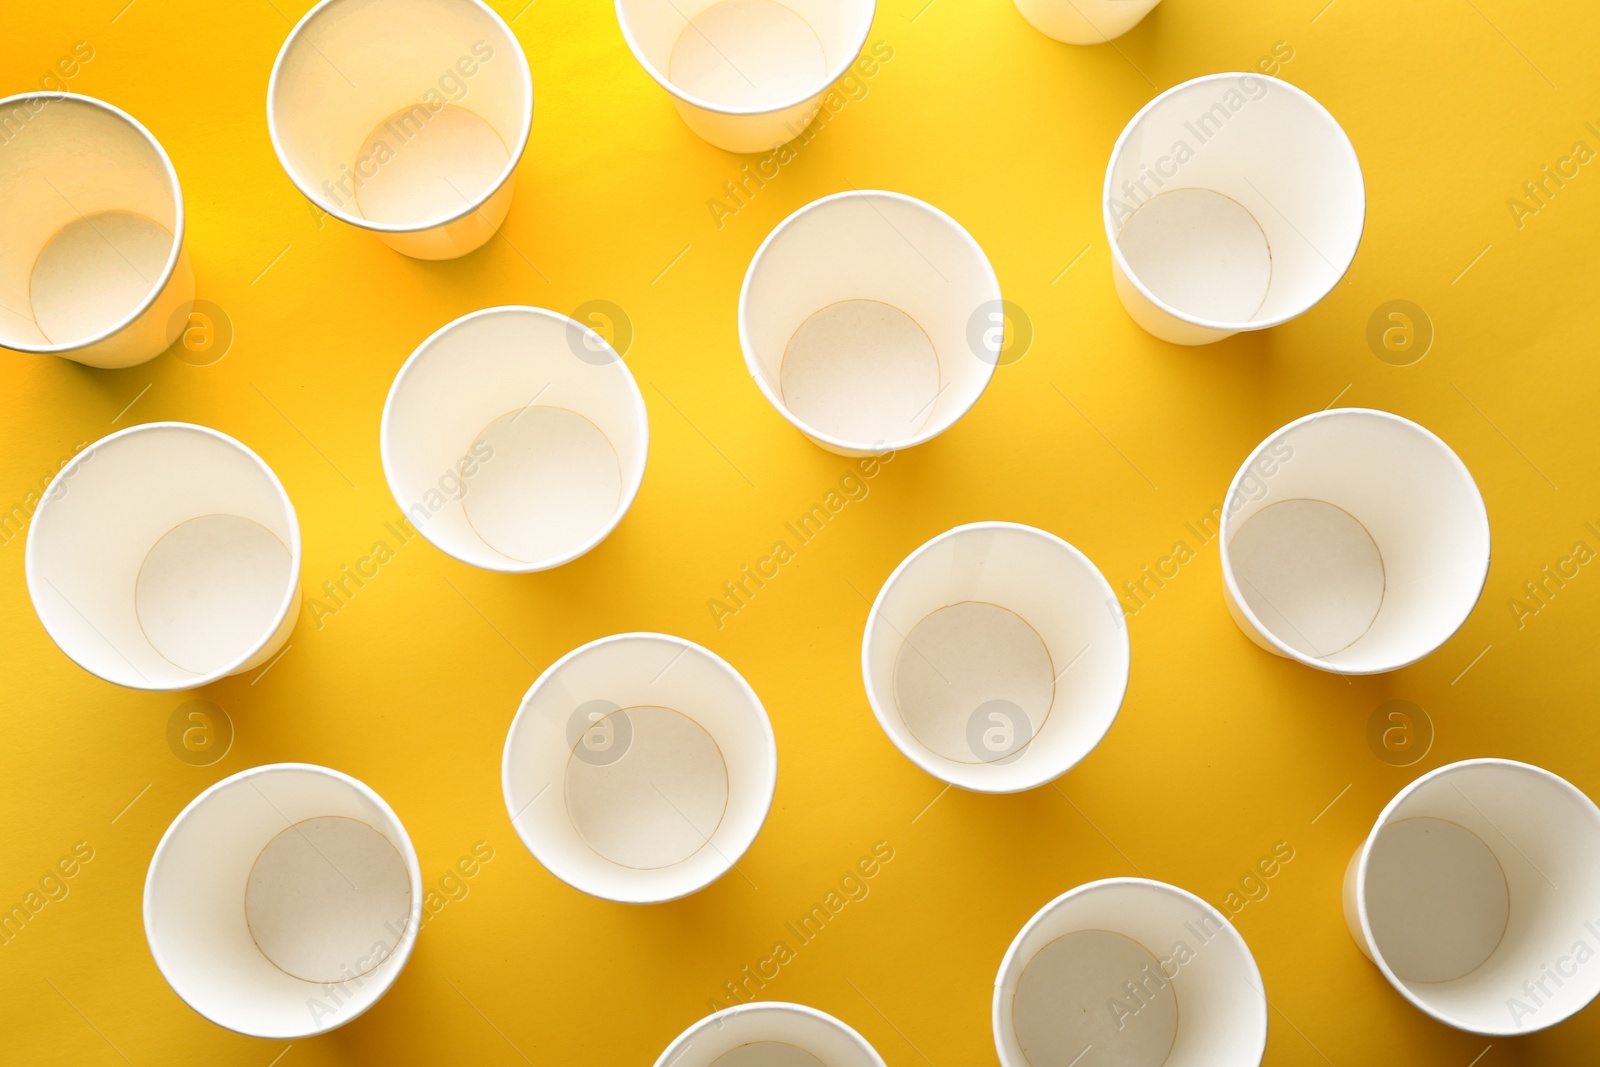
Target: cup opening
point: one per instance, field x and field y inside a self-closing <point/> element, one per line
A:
<point x="769" y="1034"/>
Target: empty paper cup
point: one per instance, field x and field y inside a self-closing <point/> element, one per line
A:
<point x="1353" y="541"/>
<point x="746" y="75"/>
<point x="283" y="901"/>
<point x="514" y="439"/>
<point x="405" y="118"/>
<point x="1144" y="973"/>
<point x="769" y="1034"/>
<point x="995" y="657"/>
<point x="165" y="556"/>
<point x="857" y="321"/>
<point x="1084" y="21"/>
<point x="639" y="768"/>
<point x="1232" y="202"/>
<point x="92" y="264"/>
<point x="1477" y="894"/>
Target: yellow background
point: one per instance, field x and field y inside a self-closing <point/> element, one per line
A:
<point x="1102" y="434"/>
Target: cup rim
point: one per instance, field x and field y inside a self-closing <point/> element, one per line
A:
<point x="402" y="950"/>
<point x="834" y="73"/>
<point x="775" y="398"/>
<point x="31" y="551"/>
<point x="633" y="481"/>
<point x="1231" y="585"/>
<point x="1319" y="112"/>
<point x="395" y="227"/>
<point x="684" y="1040"/>
<point x="888" y="717"/>
<point x="160" y="284"/>
<point x="732" y="856"/>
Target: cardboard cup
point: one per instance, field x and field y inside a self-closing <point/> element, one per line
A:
<point x="405" y="118"/>
<point x="165" y="556"/>
<point x="1148" y="974"/>
<point x="1084" y="21"/>
<point x="93" y="267"/>
<point x="746" y="75"/>
<point x="770" y="1033"/>
<point x="1477" y="894"/>
<point x="1353" y="541"/>
<point x="1232" y="202"/>
<point x="865" y="320"/>
<point x="639" y="768"/>
<point x="995" y="657"/>
<point x="514" y="439"/>
<point x="283" y="901"/>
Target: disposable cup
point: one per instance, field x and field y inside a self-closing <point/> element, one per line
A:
<point x="995" y="657"/>
<point x="866" y="320"/>
<point x="746" y="75"/>
<point x="514" y="439"/>
<point x="1477" y="894"/>
<point x="165" y="556"/>
<point x="639" y="768"/>
<point x="1353" y="541"/>
<point x="1147" y="974"/>
<point x="1084" y="21"/>
<point x="93" y="267"/>
<point x="769" y="1034"/>
<point x="1232" y="202"/>
<point x="405" y="118"/>
<point x="283" y="901"/>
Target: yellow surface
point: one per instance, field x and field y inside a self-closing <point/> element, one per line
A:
<point x="1102" y="434"/>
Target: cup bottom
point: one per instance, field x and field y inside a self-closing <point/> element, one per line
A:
<point x="767" y="1054"/>
<point x="748" y="53"/>
<point x="94" y="272"/>
<point x="1200" y="252"/>
<point x="427" y="164"/>
<point x="1095" y="989"/>
<point x="861" y="370"/>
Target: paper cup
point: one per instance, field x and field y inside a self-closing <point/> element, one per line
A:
<point x="769" y="1034"/>
<point x="639" y="768"/>
<point x="165" y="556"/>
<point x="1232" y="202"/>
<point x="1084" y="21"/>
<point x="746" y="75"/>
<point x="514" y="439"/>
<point x="283" y="901"/>
<point x="405" y="118"/>
<point x="866" y="319"/>
<point x="1353" y="541"/>
<point x="995" y="657"/>
<point x="1477" y="894"/>
<point x="93" y="267"/>
<point x="1146" y="973"/>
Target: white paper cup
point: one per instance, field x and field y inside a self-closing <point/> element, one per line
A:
<point x="1477" y="894"/>
<point x="639" y="768"/>
<point x="866" y="320"/>
<point x="1232" y="202"/>
<point x="283" y="901"/>
<point x="165" y="556"/>
<point x="1084" y="21"/>
<point x="995" y="657"/>
<point x="405" y="118"/>
<point x="770" y="1034"/>
<point x="746" y="75"/>
<point x="92" y="267"/>
<point x="1148" y="974"/>
<point x="514" y="439"/>
<point x="1353" y="541"/>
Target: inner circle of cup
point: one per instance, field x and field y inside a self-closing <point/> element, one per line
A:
<point x="1084" y="21"/>
<point x="1271" y="149"/>
<point x="104" y="512"/>
<point x="877" y="246"/>
<point x="478" y="369"/>
<point x="1412" y="496"/>
<point x="1052" y="587"/>
<point x="1222" y="1006"/>
<point x="194" y="902"/>
<point x="68" y="158"/>
<point x="1544" y="834"/>
<point x="811" y="1031"/>
<point x="630" y="671"/>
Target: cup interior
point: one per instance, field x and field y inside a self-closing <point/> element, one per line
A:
<point x="515" y="439"/>
<point x="1356" y="540"/>
<point x="995" y="658"/>
<point x="769" y="1035"/>
<point x="93" y="217"/>
<point x="639" y="768"/>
